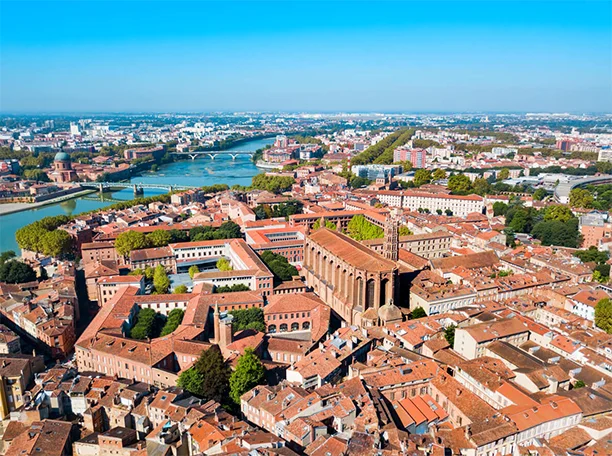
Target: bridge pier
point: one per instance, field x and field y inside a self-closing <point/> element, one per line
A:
<point x="234" y="156"/>
<point x="212" y="156"/>
<point x="138" y="190"/>
<point x="101" y="188"/>
<point x="193" y="156"/>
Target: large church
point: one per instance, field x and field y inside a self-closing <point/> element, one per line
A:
<point x="359" y="284"/>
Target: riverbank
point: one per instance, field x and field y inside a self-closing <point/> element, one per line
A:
<point x="11" y="208"/>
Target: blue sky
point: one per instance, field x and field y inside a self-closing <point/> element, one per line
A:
<point x="306" y="56"/>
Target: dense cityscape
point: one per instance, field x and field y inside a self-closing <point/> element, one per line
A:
<point x="320" y="284"/>
<point x="305" y="228"/>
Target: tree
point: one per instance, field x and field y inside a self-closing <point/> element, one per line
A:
<point x="181" y="289"/>
<point x="161" y="282"/>
<point x="439" y="174"/>
<point x="210" y="376"/>
<point x="248" y="374"/>
<point x="37" y="175"/>
<point x="360" y="229"/>
<point x="251" y="318"/>
<point x="223" y="264"/>
<point x="148" y="324"/>
<point x="499" y="208"/>
<point x="459" y="184"/>
<point x="603" y="315"/>
<point x="580" y="197"/>
<point x="159" y="238"/>
<point x="130" y="240"/>
<point x="178" y="236"/>
<point x="559" y="213"/>
<point x="449" y="334"/>
<point x="418" y="312"/>
<point x="481" y="187"/>
<point x="421" y="177"/>
<point x="175" y="317"/>
<point x="448" y="212"/>
<point x="193" y="270"/>
<point x="274" y="184"/>
<point x="13" y="271"/>
<point x="7" y="255"/>
<point x="231" y="288"/>
<point x="539" y="194"/>
<point x="592" y="255"/>
<point x="279" y="265"/>
<point x="555" y="232"/>
<point x="503" y="174"/>
<point x="404" y="231"/>
<point x="56" y="243"/>
<point x="579" y="384"/>
<point x="358" y="182"/>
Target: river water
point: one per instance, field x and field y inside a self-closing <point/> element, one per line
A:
<point x="199" y="172"/>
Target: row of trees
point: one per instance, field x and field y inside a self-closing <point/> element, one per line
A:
<point x="42" y="236"/>
<point x="211" y="379"/>
<point x="382" y="151"/>
<point x="231" y="288"/>
<point x="592" y="197"/>
<point x="135" y="240"/>
<point x="274" y="184"/>
<point x="266" y="211"/>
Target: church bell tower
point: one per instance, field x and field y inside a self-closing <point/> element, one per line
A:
<point x="391" y="244"/>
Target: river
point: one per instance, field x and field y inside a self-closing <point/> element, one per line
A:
<point x="199" y="172"/>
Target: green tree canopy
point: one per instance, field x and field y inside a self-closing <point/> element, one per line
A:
<point x="418" y="312"/>
<point x="193" y="270"/>
<point x="56" y="243"/>
<point x="279" y="265"/>
<point x="223" y="264"/>
<point x="208" y="378"/>
<point x="580" y="197"/>
<point x="559" y="213"/>
<point x="439" y="174"/>
<point x="130" y="240"/>
<point x="449" y="334"/>
<point x="421" y="177"/>
<point x="503" y="174"/>
<point x="603" y="315"/>
<point x="231" y="288"/>
<point x="248" y="374"/>
<point x="360" y="229"/>
<point x="555" y="232"/>
<point x="274" y="184"/>
<point x="13" y="271"/>
<point x="539" y="194"/>
<point x="159" y="238"/>
<point x="148" y="324"/>
<point x="175" y="317"/>
<point x="499" y="208"/>
<point x="181" y="289"/>
<point x="251" y="318"/>
<point x="459" y="184"/>
<point x="161" y="282"/>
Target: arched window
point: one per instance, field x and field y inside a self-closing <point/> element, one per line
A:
<point x="306" y="325"/>
<point x="295" y="326"/>
<point x="272" y="328"/>
<point x="283" y="327"/>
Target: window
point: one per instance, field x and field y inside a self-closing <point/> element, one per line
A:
<point x="283" y="327"/>
<point x="272" y="328"/>
<point x="295" y="326"/>
<point x="306" y="325"/>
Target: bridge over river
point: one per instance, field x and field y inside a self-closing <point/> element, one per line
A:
<point x="213" y="153"/>
<point x="137" y="186"/>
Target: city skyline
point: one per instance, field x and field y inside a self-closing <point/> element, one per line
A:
<point x="400" y="57"/>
